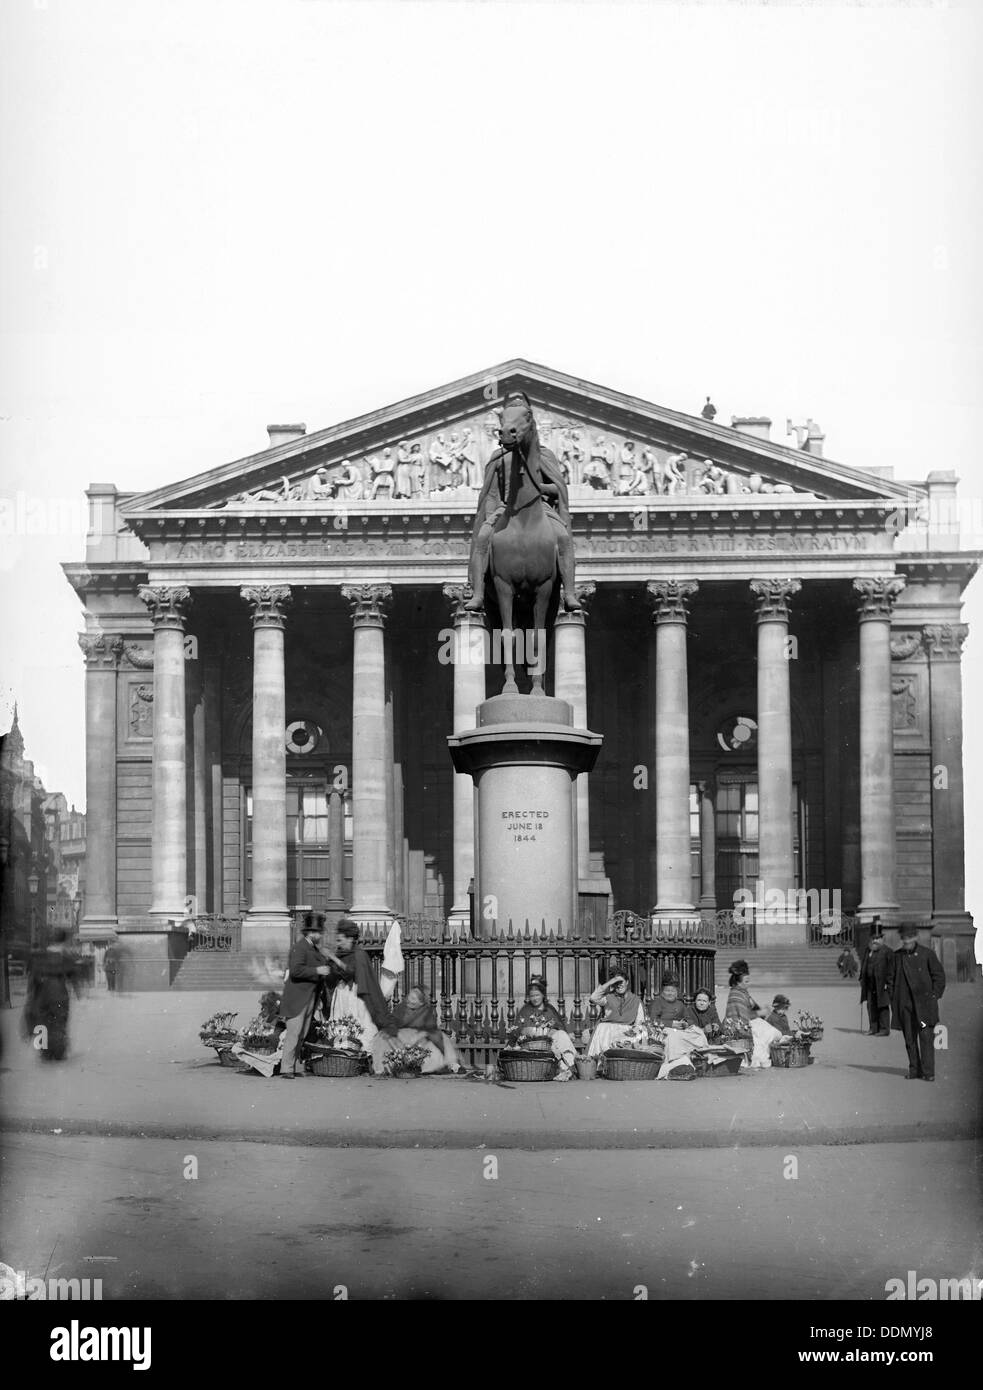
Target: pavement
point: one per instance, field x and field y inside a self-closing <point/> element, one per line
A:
<point x="137" y="1069"/>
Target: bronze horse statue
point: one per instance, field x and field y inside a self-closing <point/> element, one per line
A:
<point x="528" y="544"/>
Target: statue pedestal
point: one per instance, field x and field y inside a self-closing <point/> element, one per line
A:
<point x="524" y="756"/>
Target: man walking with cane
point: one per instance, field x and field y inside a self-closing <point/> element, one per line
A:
<point x="305" y="972"/>
<point x="874" y="988"/>
<point x="917" y="984"/>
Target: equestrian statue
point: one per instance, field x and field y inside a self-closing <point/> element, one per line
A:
<point x="522" y="543"/>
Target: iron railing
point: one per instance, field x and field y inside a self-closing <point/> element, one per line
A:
<point x="478" y="984"/>
<point x="215" y="933"/>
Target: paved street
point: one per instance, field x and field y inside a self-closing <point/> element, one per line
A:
<point x="269" y="1221"/>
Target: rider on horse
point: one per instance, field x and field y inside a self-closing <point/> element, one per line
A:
<point x="545" y="473"/>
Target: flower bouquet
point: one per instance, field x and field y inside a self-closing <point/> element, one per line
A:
<point x="341" y="1034"/>
<point x="735" y="1035"/>
<point x="405" y="1061"/>
<point x="219" y="1030"/>
<point x="644" y="1037"/>
<point x="808" y="1027"/>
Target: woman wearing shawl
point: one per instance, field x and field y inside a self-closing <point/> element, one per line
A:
<point x="538" y="1014"/>
<point x="620" y="1012"/>
<point x="357" y="993"/>
<point x="742" y="1009"/>
<point x="415" y="1022"/>
<point x="702" y="1013"/>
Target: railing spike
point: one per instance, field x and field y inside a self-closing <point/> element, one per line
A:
<point x="511" y="931"/>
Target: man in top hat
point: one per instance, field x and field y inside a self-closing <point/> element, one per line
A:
<point x="917" y="985"/>
<point x="875" y="989"/>
<point x="306" y="971"/>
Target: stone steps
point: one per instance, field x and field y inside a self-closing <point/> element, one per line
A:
<point x="785" y="965"/>
<point x="216" y="971"/>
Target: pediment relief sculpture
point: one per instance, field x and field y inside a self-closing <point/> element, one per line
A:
<point x="450" y="462"/>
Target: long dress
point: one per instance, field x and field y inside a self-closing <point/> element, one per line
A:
<point x="760" y="1034"/>
<point x="621" y="1013"/>
<point x="358" y="994"/>
<point x="46" y="1008"/>
<point x="416" y="1027"/>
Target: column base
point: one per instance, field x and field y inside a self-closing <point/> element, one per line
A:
<point x="459" y="918"/>
<point x="267" y="931"/>
<point x="98" y="928"/>
<point x="370" y="915"/>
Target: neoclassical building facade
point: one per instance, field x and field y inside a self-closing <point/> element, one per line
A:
<point x="277" y="650"/>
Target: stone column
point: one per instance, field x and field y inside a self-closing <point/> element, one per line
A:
<point x="777" y="919"/>
<point x="212" y="671"/>
<point x="707" y="791"/>
<point x="878" y="890"/>
<point x="267" y="924"/>
<point x="669" y="598"/>
<point x="198" y="785"/>
<point x="944" y="643"/>
<point x="169" y="850"/>
<point x="372" y="845"/>
<point x="570" y="684"/>
<point x="468" y="652"/>
<point x="102" y="655"/>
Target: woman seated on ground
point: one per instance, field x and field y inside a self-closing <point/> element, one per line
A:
<point x="667" y="1008"/>
<point x="620" y="1012"/>
<point x="702" y="1014"/>
<point x="415" y="1022"/>
<point x="537" y="1014"/>
<point x="742" y="1009"/>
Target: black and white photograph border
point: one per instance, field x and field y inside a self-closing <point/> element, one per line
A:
<point x="580" y="687"/>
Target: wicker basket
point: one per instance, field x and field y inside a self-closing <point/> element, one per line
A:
<point x="335" y="1064"/>
<point x="795" y="1054"/>
<point x="527" y="1065"/>
<point x="620" y="1064"/>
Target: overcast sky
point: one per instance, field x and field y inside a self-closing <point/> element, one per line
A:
<point x="223" y="213"/>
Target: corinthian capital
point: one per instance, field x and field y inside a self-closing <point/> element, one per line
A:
<point x="669" y="598"/>
<point x="772" y="596"/>
<point x="945" y="640"/>
<point x="268" y="602"/>
<point x="168" y="604"/>
<point x="101" y="651"/>
<point x="457" y="595"/>
<point x="367" y="602"/>
<point x="876" y="597"/>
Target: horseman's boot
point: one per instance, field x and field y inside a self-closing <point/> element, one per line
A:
<point x="565" y="562"/>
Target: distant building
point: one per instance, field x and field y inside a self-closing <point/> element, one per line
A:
<point x="65" y="839"/>
<point x="23" y="849"/>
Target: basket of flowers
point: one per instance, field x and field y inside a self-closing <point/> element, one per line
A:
<point x="527" y="1064"/>
<point x="405" y="1061"/>
<point x="809" y="1027"/>
<point x="735" y="1033"/>
<point x="219" y="1031"/>
<point x="790" y="1051"/>
<point x="533" y="1038"/>
<point x="338" y="1051"/>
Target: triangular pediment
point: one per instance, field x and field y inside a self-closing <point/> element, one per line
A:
<point x="433" y="448"/>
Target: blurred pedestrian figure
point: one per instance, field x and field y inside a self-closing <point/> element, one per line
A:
<point x="917" y="985"/>
<point x="46" y="1010"/>
<point x="847" y="963"/>
<point x="110" y="964"/>
<point x="875" y="989"/>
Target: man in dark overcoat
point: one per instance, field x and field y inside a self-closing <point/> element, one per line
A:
<point x="306" y="971"/>
<point x="917" y="985"/>
<point x="875" y="989"/>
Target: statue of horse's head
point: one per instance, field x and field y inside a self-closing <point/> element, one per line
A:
<point x="518" y="428"/>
